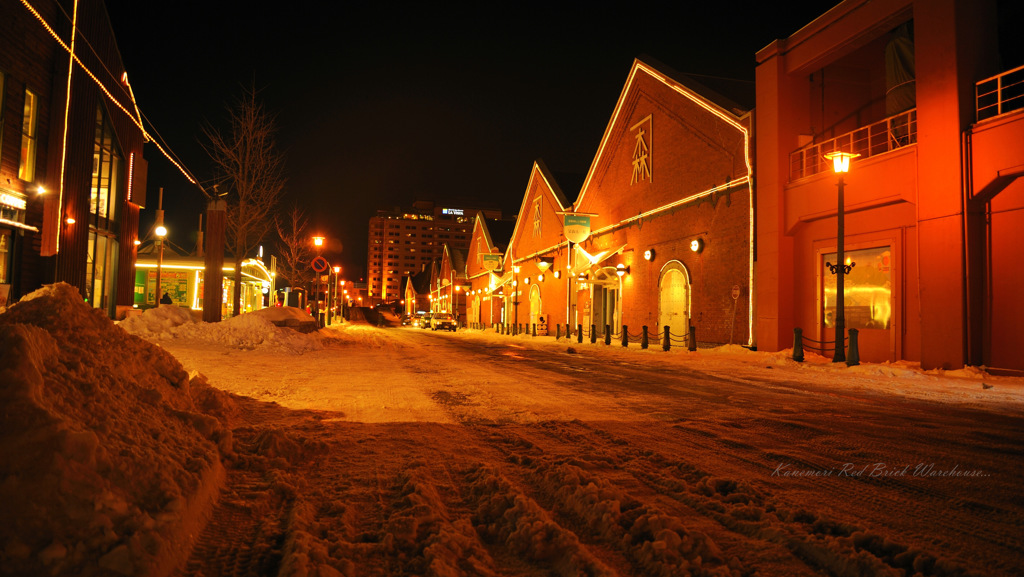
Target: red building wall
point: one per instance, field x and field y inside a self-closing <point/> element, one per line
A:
<point x="698" y="189"/>
<point x="915" y="198"/>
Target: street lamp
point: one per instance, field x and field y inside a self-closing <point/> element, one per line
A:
<point x="161" y="232"/>
<point x="332" y="304"/>
<point x="515" y="288"/>
<point x="841" y="165"/>
<point x="318" y="242"/>
<point x="456" y="307"/>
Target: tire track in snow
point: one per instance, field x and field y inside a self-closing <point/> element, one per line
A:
<point x="245" y="534"/>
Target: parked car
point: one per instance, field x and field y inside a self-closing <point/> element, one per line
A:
<point x="406" y="320"/>
<point x="442" y="321"/>
<point x="425" y="321"/>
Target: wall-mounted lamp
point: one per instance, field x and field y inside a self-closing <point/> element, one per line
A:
<point x="540" y="277"/>
<point x="137" y="242"/>
<point x="622" y="269"/>
<point x="40" y="190"/>
<point x="558" y="274"/>
<point x="527" y="280"/>
<point x="649" y="254"/>
<point x="697" y="245"/>
<point x="70" y="220"/>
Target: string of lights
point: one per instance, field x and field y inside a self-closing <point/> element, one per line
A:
<point x="137" y="121"/>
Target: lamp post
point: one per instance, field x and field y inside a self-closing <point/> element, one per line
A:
<point x="161" y="232"/>
<point x="455" y="310"/>
<point x="515" y="295"/>
<point x="841" y="165"/>
<point x="333" y="303"/>
<point x="318" y="242"/>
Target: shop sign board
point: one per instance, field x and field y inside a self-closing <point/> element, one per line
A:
<point x="492" y="261"/>
<point x="577" y="227"/>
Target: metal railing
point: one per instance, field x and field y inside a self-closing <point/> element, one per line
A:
<point x="871" y="140"/>
<point x="800" y="342"/>
<point x="999" y="94"/>
<point x="607" y="335"/>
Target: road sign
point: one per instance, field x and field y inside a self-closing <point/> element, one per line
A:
<point x="320" y="264"/>
<point x="735" y="291"/>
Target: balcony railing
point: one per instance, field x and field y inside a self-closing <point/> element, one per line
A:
<point x="871" y="140"/>
<point x="1000" y="94"/>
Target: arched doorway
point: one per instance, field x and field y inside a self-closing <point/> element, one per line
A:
<point x="674" y="298"/>
<point x="606" y="300"/>
<point x="535" y="305"/>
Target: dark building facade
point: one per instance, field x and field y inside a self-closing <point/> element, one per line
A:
<point x="72" y="176"/>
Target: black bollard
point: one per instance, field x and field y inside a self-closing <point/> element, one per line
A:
<point x="853" y="355"/>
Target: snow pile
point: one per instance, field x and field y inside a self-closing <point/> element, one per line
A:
<point x="156" y="321"/>
<point x="106" y="459"/>
<point x="248" y="331"/>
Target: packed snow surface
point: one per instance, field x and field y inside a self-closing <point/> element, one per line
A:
<point x="164" y="446"/>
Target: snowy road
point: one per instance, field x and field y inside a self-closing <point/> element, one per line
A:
<point x="400" y="451"/>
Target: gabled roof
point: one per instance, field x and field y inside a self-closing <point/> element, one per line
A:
<point x="499" y="232"/>
<point x="457" y="258"/>
<point x="540" y="168"/>
<point x="733" y="95"/>
<point x="421" y="282"/>
<point x="716" y="104"/>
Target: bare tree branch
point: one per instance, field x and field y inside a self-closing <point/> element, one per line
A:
<point x="295" y="251"/>
<point x="253" y="174"/>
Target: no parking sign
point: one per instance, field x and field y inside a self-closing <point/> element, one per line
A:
<point x="320" y="264"/>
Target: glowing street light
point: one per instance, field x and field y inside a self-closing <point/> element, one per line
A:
<point x="841" y="165"/>
<point x="161" y="232"/>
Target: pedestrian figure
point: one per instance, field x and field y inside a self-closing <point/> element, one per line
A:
<point x="166" y="300"/>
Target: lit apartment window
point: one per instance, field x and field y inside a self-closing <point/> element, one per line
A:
<point x="27" y="168"/>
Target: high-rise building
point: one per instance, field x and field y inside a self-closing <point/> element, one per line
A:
<point x="403" y="241"/>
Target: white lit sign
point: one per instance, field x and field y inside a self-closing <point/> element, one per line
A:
<point x="11" y="200"/>
<point x="452" y="211"/>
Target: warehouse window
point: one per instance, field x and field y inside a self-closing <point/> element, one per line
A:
<point x="27" y="168"/>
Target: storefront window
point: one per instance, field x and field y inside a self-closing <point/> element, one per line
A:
<point x="868" y="289"/>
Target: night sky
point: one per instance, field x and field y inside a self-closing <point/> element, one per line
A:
<point x="380" y="104"/>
